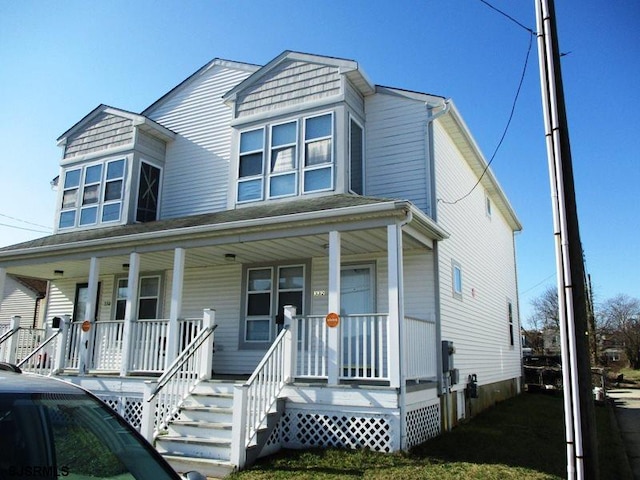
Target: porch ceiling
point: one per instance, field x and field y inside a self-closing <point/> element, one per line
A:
<point x="370" y="241"/>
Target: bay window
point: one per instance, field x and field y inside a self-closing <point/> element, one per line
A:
<point x="297" y="161"/>
<point x="92" y="194"/>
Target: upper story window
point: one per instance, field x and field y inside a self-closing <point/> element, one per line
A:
<point x="297" y="161"/>
<point x="92" y="194"/>
<point x="456" y="271"/>
<point x="148" y="193"/>
<point x="356" y="158"/>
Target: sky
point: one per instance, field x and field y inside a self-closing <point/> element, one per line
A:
<point x="61" y="59"/>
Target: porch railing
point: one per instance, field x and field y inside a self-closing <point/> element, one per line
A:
<point x="148" y="344"/>
<point x="420" y="350"/>
<point x="255" y="400"/>
<point x="17" y="342"/>
<point x="42" y="360"/>
<point x="164" y="398"/>
<point x="364" y="347"/>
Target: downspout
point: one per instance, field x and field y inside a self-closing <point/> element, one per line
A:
<point x="402" y="394"/>
<point x="442" y="389"/>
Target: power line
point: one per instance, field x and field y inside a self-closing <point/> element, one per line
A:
<point x="506" y="128"/>
<point x="23" y="221"/>
<point x="509" y="17"/>
<point x="24" y="228"/>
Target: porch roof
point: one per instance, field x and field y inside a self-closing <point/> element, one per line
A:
<point x="309" y="216"/>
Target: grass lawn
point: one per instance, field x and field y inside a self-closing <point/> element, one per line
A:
<point x="521" y="438"/>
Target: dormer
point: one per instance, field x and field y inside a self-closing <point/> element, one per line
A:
<point x="111" y="170"/>
<point x="298" y="129"/>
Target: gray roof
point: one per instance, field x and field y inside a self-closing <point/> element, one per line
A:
<point x="308" y="205"/>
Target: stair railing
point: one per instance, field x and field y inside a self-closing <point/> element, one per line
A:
<point x="255" y="399"/>
<point x="163" y="399"/>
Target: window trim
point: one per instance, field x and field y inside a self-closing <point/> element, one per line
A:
<point x="251" y="178"/>
<point x="330" y="165"/>
<point x="353" y="120"/>
<point x="456" y="280"/>
<point x="269" y="174"/>
<point x="79" y="207"/>
<point x="161" y="170"/>
<point x="511" y="324"/>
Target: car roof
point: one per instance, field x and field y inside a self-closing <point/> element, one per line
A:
<point x="11" y="382"/>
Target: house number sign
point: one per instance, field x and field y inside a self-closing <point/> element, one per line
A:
<point x="332" y="319"/>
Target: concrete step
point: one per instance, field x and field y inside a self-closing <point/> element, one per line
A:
<point x="210" y="399"/>
<point x="206" y="466"/>
<point x="200" y="429"/>
<point x="196" y="447"/>
<point x="203" y="413"/>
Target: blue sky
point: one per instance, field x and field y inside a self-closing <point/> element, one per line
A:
<point x="59" y="60"/>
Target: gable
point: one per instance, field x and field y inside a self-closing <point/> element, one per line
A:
<point x="290" y="83"/>
<point x="103" y="131"/>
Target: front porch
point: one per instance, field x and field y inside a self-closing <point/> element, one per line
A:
<point x="292" y="383"/>
<point x="353" y="282"/>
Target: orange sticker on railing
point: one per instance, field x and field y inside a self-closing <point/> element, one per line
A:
<point x="86" y="326"/>
<point x="332" y="319"/>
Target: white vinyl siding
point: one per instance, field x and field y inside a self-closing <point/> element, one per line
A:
<point x="18" y="300"/>
<point x="396" y="150"/>
<point x="196" y="173"/>
<point x="485" y="249"/>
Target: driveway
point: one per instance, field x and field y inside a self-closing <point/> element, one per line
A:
<point x="627" y="402"/>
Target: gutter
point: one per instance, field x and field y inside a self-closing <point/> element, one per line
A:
<point x="263" y="223"/>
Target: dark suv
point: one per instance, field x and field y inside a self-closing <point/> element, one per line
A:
<point x="50" y="429"/>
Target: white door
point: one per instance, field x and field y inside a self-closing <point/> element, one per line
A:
<point x="357" y="299"/>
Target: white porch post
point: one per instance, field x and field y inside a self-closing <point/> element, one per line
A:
<point x="396" y="314"/>
<point x="130" y="312"/>
<point x="61" y="349"/>
<point x="149" y="407"/>
<point x="176" y="305"/>
<point x="333" y="337"/>
<point x="12" y="341"/>
<point x="291" y="343"/>
<point x="206" y="360"/>
<point x="87" y="338"/>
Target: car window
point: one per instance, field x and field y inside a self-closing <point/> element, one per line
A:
<point x="49" y="436"/>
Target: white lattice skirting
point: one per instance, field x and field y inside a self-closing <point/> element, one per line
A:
<point x="130" y="408"/>
<point x="302" y="428"/>
<point x="423" y="422"/>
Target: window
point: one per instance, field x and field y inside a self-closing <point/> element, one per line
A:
<point x="510" y="317"/>
<point x="457" y="279"/>
<point x="251" y="165"/>
<point x="148" y="191"/>
<point x="283" y="165"/>
<point x="356" y="158"/>
<point x="488" y="206"/>
<point x="268" y="291"/>
<point x="92" y="194"/>
<point x="149" y="297"/>
<point x="318" y="153"/>
<point x="122" y="288"/>
<point x="272" y="159"/>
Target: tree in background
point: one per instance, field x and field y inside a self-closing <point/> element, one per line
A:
<point x="621" y="314"/>
<point x="545" y="310"/>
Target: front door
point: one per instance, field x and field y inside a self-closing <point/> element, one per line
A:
<point x="357" y="301"/>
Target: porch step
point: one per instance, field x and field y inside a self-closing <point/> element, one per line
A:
<point x="207" y="467"/>
<point x="200" y="438"/>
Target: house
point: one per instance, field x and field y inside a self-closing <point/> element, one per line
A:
<point x="305" y="259"/>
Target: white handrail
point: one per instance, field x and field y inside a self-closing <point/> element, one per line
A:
<point x="255" y="399"/>
<point x="41" y="360"/>
<point x="164" y="399"/>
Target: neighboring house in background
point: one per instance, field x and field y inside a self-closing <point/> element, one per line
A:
<point x="23" y="297"/>
<point x="300" y="183"/>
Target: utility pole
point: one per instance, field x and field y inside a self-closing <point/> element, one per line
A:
<point x="572" y="305"/>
